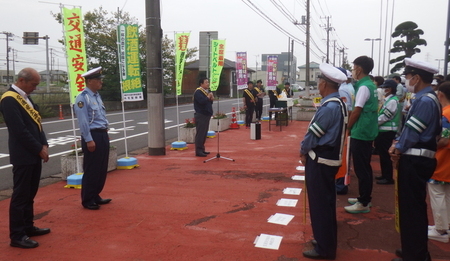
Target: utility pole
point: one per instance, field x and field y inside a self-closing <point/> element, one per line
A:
<point x="7" y="55"/>
<point x="447" y="41"/>
<point x="294" y="76"/>
<point x="439" y="64"/>
<point x="155" y="98"/>
<point x="334" y="52"/>
<point x="328" y="29"/>
<point x="289" y="61"/>
<point x="14" y="64"/>
<point x="307" y="47"/>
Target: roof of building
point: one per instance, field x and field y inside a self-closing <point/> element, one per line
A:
<point x="312" y="65"/>
<point x="53" y="72"/>
<point x="227" y="65"/>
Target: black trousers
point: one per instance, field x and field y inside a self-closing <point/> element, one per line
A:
<point x="382" y="143"/>
<point x="201" y="126"/>
<point x="322" y="205"/>
<point x="272" y="105"/>
<point x="362" y="152"/>
<point x="259" y="108"/>
<point x="26" y="183"/>
<point x="249" y="115"/>
<point x="413" y="174"/>
<point x="95" y="167"/>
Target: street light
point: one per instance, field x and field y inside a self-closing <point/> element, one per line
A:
<point x="372" y="39"/>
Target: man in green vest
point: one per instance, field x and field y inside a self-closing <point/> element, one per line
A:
<point x="388" y="121"/>
<point x="363" y="127"/>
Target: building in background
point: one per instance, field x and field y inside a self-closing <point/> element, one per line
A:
<point x="227" y="85"/>
<point x="314" y="72"/>
<point x="4" y="78"/>
<point x="56" y="76"/>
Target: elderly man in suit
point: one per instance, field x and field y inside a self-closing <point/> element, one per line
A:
<point x="28" y="147"/>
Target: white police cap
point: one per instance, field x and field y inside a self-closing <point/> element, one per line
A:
<point x="331" y="73"/>
<point x="419" y="67"/>
<point x="93" y="73"/>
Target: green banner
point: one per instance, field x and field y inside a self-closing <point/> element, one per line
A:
<point x="76" y="52"/>
<point x="181" y="43"/>
<point x="217" y="62"/>
<point x="129" y="66"/>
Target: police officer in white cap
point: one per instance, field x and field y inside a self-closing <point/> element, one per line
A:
<point x="93" y="125"/>
<point x="414" y="151"/>
<point x="321" y="153"/>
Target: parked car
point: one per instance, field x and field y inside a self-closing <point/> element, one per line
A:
<point x="297" y="87"/>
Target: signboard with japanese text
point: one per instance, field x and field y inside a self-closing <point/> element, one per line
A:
<point x="129" y="63"/>
<point x="272" y="64"/>
<point x="181" y="43"/>
<point x="217" y="62"/>
<point x="76" y="52"/>
<point x="241" y="70"/>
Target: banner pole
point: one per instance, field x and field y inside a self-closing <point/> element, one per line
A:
<point x="77" y="160"/>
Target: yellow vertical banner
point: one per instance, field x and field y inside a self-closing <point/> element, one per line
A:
<point x="129" y="62"/>
<point x="217" y="62"/>
<point x="75" y="49"/>
<point x="181" y="43"/>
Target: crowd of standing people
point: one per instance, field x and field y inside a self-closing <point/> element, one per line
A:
<point x="403" y="119"/>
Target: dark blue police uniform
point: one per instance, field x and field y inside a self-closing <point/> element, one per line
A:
<point x="323" y="145"/>
<point x="417" y="144"/>
<point x="93" y="124"/>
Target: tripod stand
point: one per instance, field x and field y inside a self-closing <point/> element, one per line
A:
<point x="218" y="141"/>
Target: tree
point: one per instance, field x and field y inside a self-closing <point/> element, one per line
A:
<point x="100" y="28"/>
<point x="409" y="47"/>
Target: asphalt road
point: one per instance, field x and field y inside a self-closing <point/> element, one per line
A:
<point x="60" y="134"/>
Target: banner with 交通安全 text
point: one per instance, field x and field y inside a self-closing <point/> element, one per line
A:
<point x="75" y="50"/>
<point x="129" y="62"/>
<point x="217" y="62"/>
<point x="241" y="70"/>
<point x="181" y="43"/>
<point x="272" y="62"/>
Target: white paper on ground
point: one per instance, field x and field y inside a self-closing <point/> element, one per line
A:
<point x="300" y="168"/>
<point x="292" y="191"/>
<point x="280" y="219"/>
<point x="285" y="202"/>
<point x="268" y="241"/>
<point x="298" y="177"/>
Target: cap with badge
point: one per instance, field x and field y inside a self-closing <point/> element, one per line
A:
<point x="93" y="73"/>
<point x="419" y="67"/>
<point x="332" y="74"/>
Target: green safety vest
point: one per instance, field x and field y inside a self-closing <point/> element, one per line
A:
<point x="366" y="127"/>
<point x="392" y="124"/>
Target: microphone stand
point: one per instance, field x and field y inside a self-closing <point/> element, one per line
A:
<point x="218" y="140"/>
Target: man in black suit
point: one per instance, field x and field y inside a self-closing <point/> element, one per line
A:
<point x="28" y="147"/>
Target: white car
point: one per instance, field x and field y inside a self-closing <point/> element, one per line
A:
<point x="297" y="87"/>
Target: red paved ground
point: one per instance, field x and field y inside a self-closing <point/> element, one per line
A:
<point x="176" y="207"/>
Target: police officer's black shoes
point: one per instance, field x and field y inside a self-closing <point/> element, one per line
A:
<point x="385" y="182"/>
<point x="200" y="154"/>
<point x="35" y="231"/>
<point x="104" y="201"/>
<point x="92" y="207"/>
<point x="206" y="152"/>
<point x="25" y="242"/>
<point x="314" y="255"/>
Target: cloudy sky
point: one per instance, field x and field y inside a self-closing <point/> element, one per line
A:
<point x="255" y="26"/>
